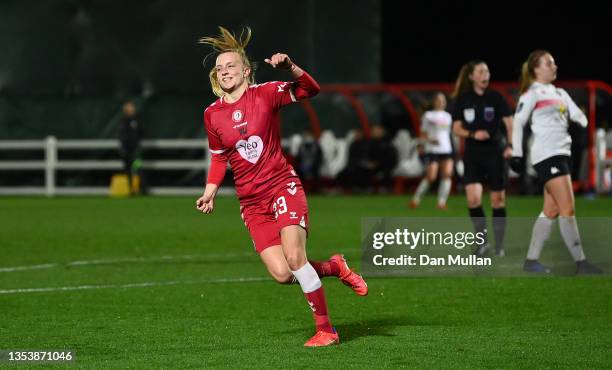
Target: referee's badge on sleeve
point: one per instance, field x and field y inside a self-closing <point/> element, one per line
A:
<point x="469" y="114"/>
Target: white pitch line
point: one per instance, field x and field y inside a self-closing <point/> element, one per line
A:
<point x="110" y="261"/>
<point x="30" y="267"/>
<point x="135" y="285"/>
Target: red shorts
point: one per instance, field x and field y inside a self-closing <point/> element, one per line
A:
<point x="265" y="220"/>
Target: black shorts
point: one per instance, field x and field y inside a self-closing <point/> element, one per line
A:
<point x="436" y="157"/>
<point x="488" y="166"/>
<point x="552" y="167"/>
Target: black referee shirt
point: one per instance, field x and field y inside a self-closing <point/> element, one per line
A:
<point x="482" y="112"/>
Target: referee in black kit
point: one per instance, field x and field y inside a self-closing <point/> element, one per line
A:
<point x="484" y="119"/>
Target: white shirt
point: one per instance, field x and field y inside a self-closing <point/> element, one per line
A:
<point x="549" y="108"/>
<point x="436" y="124"/>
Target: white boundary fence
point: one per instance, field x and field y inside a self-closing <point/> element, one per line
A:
<point x="603" y="163"/>
<point x="51" y="164"/>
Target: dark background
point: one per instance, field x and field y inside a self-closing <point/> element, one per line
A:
<point x="67" y="66"/>
<point x="429" y="40"/>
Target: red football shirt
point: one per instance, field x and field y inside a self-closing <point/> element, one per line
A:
<point x="247" y="133"/>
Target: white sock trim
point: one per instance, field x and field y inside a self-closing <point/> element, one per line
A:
<point x="308" y="278"/>
<point x="542" y="214"/>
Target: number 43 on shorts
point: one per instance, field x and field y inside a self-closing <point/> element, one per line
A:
<point x="280" y="206"/>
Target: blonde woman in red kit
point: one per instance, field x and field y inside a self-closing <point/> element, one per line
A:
<point x="243" y="128"/>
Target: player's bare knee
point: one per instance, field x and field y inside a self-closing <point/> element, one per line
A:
<point x="280" y="273"/>
<point x="285" y="277"/>
<point x="295" y="261"/>
<point x="551" y="213"/>
<point x="498" y="200"/>
<point x="448" y="173"/>
<point x="473" y="202"/>
<point x="567" y="211"/>
<point x="498" y="203"/>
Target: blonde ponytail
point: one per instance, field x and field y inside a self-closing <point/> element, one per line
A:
<point x="528" y="69"/>
<point x="526" y="79"/>
<point x="225" y="42"/>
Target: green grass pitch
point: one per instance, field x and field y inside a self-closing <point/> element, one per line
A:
<point x="150" y="283"/>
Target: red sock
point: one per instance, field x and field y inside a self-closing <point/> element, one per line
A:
<point x="317" y="303"/>
<point x="325" y="268"/>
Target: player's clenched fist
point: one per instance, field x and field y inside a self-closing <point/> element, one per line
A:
<point x="205" y="203"/>
<point x="279" y="60"/>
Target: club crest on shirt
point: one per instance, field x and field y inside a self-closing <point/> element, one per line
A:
<point x="469" y="114"/>
<point x="250" y="149"/>
<point x="562" y="108"/>
<point x="237" y="115"/>
<point x="489" y="114"/>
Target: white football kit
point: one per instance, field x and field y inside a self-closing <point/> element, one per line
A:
<point x="549" y="108"/>
<point x="437" y="126"/>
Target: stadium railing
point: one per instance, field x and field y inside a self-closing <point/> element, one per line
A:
<point x="51" y="164"/>
<point x="405" y="94"/>
<point x="410" y="96"/>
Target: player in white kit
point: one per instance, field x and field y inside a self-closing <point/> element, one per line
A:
<point x="436" y="128"/>
<point x="549" y="109"/>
